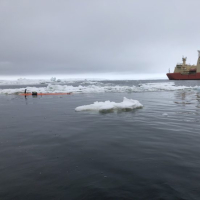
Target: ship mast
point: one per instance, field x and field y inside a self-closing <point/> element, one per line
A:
<point x="184" y="60"/>
<point x="198" y="62"/>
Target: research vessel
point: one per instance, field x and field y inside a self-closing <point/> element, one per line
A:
<point x="185" y="71"/>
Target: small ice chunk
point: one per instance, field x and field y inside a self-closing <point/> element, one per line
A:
<point x="127" y="104"/>
<point x="164" y="114"/>
<point x="53" y="79"/>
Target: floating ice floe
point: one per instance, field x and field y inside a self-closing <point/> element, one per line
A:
<point x="95" y="87"/>
<point x="165" y="86"/>
<point x="127" y="104"/>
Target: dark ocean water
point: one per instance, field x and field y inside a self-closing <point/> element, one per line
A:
<point x="49" y="151"/>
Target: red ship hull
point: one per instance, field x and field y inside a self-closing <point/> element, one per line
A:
<point x="179" y="76"/>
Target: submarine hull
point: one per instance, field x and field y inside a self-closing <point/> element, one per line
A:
<point x="179" y="76"/>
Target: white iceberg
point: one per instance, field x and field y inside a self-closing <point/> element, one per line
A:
<point x="127" y="104"/>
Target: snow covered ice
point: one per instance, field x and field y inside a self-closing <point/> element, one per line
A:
<point x="67" y="86"/>
<point x="127" y="104"/>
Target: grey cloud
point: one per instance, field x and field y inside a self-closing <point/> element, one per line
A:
<point x="63" y="37"/>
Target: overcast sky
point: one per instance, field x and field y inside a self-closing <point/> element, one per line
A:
<point x="68" y="37"/>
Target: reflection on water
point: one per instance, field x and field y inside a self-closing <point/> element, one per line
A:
<point x="185" y="97"/>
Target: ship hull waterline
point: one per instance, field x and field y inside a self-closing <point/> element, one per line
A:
<point x="179" y="76"/>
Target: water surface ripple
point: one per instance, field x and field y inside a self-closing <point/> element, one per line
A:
<point x="49" y="151"/>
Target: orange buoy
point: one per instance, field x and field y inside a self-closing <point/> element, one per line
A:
<point x="41" y="94"/>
